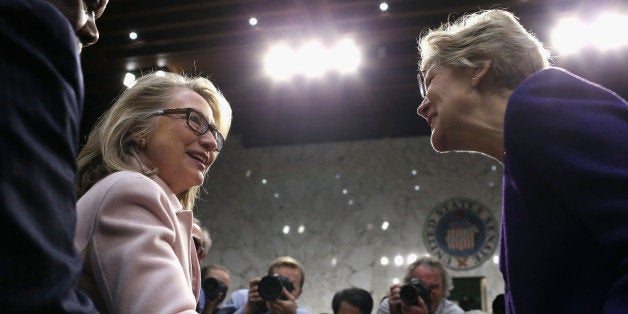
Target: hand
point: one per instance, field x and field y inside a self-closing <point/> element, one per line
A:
<point x="255" y="302"/>
<point x="415" y="309"/>
<point x="394" y="299"/>
<point x="210" y="305"/>
<point x="288" y="306"/>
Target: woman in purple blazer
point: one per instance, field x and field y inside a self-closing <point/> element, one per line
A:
<point x="488" y="87"/>
<point x="138" y="176"/>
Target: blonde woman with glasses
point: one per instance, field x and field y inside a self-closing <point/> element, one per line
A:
<point x="138" y="177"/>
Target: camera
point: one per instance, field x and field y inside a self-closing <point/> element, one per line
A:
<point x="270" y="287"/>
<point x="411" y="291"/>
<point x="212" y="287"/>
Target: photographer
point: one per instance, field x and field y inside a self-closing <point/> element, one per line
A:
<point x="288" y="288"/>
<point x="352" y="300"/>
<point x="214" y="286"/>
<point x="431" y="276"/>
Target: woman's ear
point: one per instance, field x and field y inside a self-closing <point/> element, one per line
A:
<point x="480" y="73"/>
<point x="139" y="140"/>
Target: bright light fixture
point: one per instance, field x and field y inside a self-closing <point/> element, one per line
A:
<point x="345" y="57"/>
<point x="605" y="39"/>
<point x="385" y="225"/>
<point x="572" y="34"/>
<point x="411" y="258"/>
<point x="312" y="59"/>
<point x="129" y="80"/>
<point x="398" y="260"/>
<point x="569" y="35"/>
<point x="280" y="62"/>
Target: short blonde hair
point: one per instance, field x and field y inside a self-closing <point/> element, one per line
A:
<point x="111" y="145"/>
<point x="488" y="35"/>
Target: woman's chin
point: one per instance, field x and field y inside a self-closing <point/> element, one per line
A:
<point x="198" y="181"/>
<point x="438" y="143"/>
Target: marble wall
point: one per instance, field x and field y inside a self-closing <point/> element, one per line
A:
<point x="340" y="209"/>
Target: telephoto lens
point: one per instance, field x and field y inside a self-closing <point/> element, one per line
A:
<point x="413" y="290"/>
<point x="270" y="287"/>
<point x="212" y="287"/>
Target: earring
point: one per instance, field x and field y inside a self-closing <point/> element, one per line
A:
<point x="142" y="142"/>
<point x="474" y="78"/>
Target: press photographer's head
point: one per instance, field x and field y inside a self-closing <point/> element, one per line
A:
<point x="214" y="289"/>
<point x="215" y="282"/>
<point x="435" y="278"/>
<point x="291" y="269"/>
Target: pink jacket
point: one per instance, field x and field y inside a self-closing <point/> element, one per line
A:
<point x="136" y="243"/>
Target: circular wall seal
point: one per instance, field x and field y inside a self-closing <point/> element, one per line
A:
<point x="461" y="232"/>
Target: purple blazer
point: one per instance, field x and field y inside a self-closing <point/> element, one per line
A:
<point x="564" y="246"/>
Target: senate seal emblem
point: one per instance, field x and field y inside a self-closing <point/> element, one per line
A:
<point x="462" y="233"/>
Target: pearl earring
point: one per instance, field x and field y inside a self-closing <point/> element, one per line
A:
<point x="142" y="142"/>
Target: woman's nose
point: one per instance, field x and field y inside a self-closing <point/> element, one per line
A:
<point x="422" y="109"/>
<point x="208" y="141"/>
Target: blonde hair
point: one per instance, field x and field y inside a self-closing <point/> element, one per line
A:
<point x="287" y="261"/>
<point x="489" y="35"/>
<point x="112" y="145"/>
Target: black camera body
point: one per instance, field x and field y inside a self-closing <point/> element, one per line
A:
<point x="411" y="291"/>
<point x="270" y="287"/>
<point x="212" y="287"/>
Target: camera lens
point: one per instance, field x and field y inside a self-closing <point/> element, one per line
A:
<point x="411" y="292"/>
<point x="409" y="295"/>
<point x="212" y="287"/>
<point x="270" y="287"/>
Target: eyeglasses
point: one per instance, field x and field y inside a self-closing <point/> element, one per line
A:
<point x="197" y="123"/>
<point x="422" y="89"/>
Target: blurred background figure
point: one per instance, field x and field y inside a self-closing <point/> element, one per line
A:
<point x="499" y="304"/>
<point x="352" y="301"/>
<point x="431" y="283"/>
<point x="214" y="286"/>
<point x="202" y="240"/>
<point x="275" y="293"/>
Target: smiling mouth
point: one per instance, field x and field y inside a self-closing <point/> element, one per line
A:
<point x="199" y="157"/>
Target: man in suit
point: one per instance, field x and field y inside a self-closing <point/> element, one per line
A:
<point x="41" y="94"/>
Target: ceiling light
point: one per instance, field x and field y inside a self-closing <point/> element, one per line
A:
<point x="129" y="80"/>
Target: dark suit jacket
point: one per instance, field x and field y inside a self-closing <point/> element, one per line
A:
<point x="564" y="246"/>
<point x="41" y="96"/>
